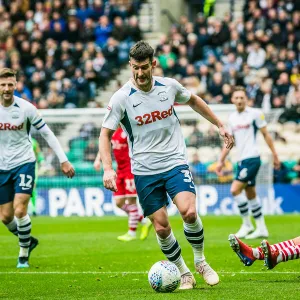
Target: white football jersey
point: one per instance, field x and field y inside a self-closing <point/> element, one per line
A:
<point x="153" y="130"/>
<point x="15" y="141"/>
<point x="244" y="128"/>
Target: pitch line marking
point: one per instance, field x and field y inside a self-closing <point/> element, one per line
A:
<point x="131" y="273"/>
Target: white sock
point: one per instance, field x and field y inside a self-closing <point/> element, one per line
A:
<point x="12" y="226"/>
<point x="24" y="230"/>
<point x="242" y="203"/>
<point x="132" y="232"/>
<point x="195" y="236"/>
<point x="257" y="213"/>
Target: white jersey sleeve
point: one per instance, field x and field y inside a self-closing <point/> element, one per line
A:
<point x="115" y="111"/>
<point x="183" y="95"/>
<point x="260" y="120"/>
<point x="35" y="118"/>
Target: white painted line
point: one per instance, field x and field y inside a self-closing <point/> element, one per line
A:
<point x="25" y="272"/>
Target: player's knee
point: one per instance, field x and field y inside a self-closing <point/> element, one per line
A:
<point x="235" y="192"/>
<point x="190" y="216"/>
<point x="20" y="211"/>
<point x="162" y="231"/>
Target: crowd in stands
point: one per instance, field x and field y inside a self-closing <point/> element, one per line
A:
<point x="65" y="50"/>
<point x="259" y="51"/>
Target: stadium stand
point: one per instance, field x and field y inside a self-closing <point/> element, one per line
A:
<point x="65" y="51"/>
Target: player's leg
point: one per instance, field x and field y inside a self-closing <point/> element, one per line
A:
<point x="247" y="254"/>
<point x="170" y="247"/>
<point x="261" y="230"/>
<point x="240" y="199"/>
<point x="193" y="231"/>
<point x="23" y="178"/>
<point x="120" y="202"/>
<point x="280" y="252"/>
<point x="181" y="188"/>
<point x="134" y="214"/>
<point x="24" y="227"/>
<point x="6" y="208"/>
<point x="153" y="199"/>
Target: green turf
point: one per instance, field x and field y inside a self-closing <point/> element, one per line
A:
<point x="83" y="252"/>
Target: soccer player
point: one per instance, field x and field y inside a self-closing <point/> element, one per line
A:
<point x="243" y="124"/>
<point x="271" y="254"/>
<point x="125" y="197"/>
<point x="39" y="159"/>
<point x="17" y="162"/>
<point x="145" y="108"/>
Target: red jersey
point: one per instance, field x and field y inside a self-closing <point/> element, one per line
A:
<point x="121" y="150"/>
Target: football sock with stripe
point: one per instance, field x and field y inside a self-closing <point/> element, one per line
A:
<point x="13" y="227"/>
<point x="24" y="230"/>
<point x="257" y="213"/>
<point x="171" y="249"/>
<point x="243" y="207"/>
<point x="195" y="236"/>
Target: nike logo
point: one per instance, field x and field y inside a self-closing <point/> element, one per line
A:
<point x="192" y="187"/>
<point x="25" y="188"/>
<point x="135" y="105"/>
<point x="163" y="100"/>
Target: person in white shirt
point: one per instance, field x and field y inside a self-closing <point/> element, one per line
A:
<point x="144" y="107"/>
<point x="244" y="124"/>
<point x="17" y="161"/>
<point x="256" y="57"/>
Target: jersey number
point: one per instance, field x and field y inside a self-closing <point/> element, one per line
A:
<point x="188" y="177"/>
<point x="25" y="185"/>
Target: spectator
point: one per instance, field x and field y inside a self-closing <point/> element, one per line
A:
<point x="91" y="151"/>
<point x="227" y="171"/>
<point x="212" y="138"/>
<point x="256" y="57"/>
<point x="198" y="169"/>
<point x="195" y="139"/>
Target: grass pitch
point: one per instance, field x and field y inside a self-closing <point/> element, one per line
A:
<point x="80" y="258"/>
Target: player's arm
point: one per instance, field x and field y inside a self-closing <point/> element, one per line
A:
<point x="109" y="176"/>
<point x="198" y="105"/>
<point x="221" y="162"/>
<point x="112" y="118"/>
<point x="37" y="121"/>
<point x="270" y="143"/>
<point x="53" y="142"/>
<point x="97" y="162"/>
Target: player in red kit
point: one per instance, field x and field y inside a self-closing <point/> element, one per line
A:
<point x="125" y="196"/>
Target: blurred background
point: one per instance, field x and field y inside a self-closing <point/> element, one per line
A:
<point x="71" y="56"/>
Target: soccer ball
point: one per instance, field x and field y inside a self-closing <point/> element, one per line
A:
<point x="164" y="277"/>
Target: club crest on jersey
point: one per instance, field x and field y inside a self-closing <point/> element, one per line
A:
<point x="163" y="96"/>
<point x="154" y="116"/>
<point x="15" y="114"/>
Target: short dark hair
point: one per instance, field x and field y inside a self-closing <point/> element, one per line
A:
<point x="7" y="72"/>
<point x="141" y="51"/>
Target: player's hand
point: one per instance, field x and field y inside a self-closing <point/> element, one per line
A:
<point x="219" y="168"/>
<point x="276" y="163"/>
<point x="97" y="164"/>
<point x="109" y="180"/>
<point x="227" y="137"/>
<point x="67" y="169"/>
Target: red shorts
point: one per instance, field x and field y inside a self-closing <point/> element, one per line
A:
<point x="125" y="185"/>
